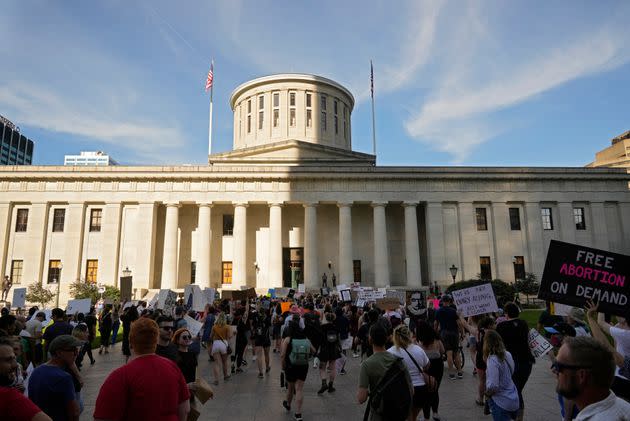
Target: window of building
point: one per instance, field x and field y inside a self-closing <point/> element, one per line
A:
<point x="547" y="219"/>
<point x="249" y="115"/>
<point x="485" y="269"/>
<point x="91" y="271"/>
<point x="578" y="215"/>
<point x="345" y="122"/>
<point x="515" y="219"/>
<point x="261" y="112"/>
<point x="54" y="270"/>
<point x="22" y="220"/>
<point x="336" y="113"/>
<point x="16" y="271"/>
<point x="519" y="267"/>
<point x="59" y="217"/>
<point x="356" y="270"/>
<point x="309" y="113"/>
<point x="95" y="220"/>
<point x="482" y="221"/>
<point x="323" y="121"/>
<point x="292" y="112"/>
<point x="276" y="109"/>
<point x="228" y="224"/>
<point x="226" y="271"/>
<point x="323" y="112"/>
<point x="193" y="272"/>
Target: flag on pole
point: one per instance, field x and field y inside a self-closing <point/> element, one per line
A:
<point x="371" y="79"/>
<point x="210" y="77"/>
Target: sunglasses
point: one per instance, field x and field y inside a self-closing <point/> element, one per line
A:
<point x="558" y="367"/>
<point x="186" y="337"/>
<point x="166" y="327"/>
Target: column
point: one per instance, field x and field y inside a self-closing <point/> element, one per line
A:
<point x="5" y="231"/>
<point x="435" y="247"/>
<point x="111" y="244"/>
<point x="239" y="257"/>
<point x="204" y="237"/>
<point x="311" y="274"/>
<point x="412" y="248"/>
<point x="381" y="255"/>
<point x="598" y="226"/>
<point x="144" y="270"/>
<point x="169" y="259"/>
<point x="36" y="231"/>
<point x="345" y="275"/>
<point x="501" y="242"/>
<point x="535" y="246"/>
<point x="468" y="244"/>
<point x="73" y="234"/>
<point x="275" y="245"/>
<point x="567" y="222"/>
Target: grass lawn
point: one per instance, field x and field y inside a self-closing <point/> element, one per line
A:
<point x="531" y="317"/>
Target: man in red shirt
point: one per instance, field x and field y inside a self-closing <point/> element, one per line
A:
<point x="13" y="404"/>
<point x="148" y="387"/>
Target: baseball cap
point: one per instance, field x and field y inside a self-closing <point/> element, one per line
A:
<point x="63" y="342"/>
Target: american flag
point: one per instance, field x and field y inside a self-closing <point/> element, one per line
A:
<point x="371" y="79"/>
<point x="210" y="77"/>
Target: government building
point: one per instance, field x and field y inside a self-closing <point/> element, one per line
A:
<point x="293" y="202"/>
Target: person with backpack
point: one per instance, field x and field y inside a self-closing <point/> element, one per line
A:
<point x="105" y="327"/>
<point x="385" y="379"/>
<point x="261" y="328"/>
<point x="294" y="354"/>
<point x="329" y="353"/>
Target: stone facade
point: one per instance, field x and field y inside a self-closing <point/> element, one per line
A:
<point x="287" y="210"/>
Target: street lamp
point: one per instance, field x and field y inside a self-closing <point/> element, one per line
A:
<point x="453" y="270"/>
<point x="126" y="271"/>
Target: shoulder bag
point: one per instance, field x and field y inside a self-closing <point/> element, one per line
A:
<point x="429" y="380"/>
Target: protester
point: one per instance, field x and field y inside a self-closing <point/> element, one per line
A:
<point x="416" y="361"/>
<point x="294" y="354"/>
<point x="374" y="368"/>
<point x="115" y="323"/>
<point x="14" y="405"/>
<point x="276" y="323"/>
<point x="206" y="329"/>
<point x="105" y="328"/>
<point x="261" y="325"/>
<point x="432" y="346"/>
<point x="59" y="327"/>
<point x="515" y="335"/>
<point x="221" y="334"/>
<point x="90" y="321"/>
<point x="148" y="387"/>
<point x="165" y="348"/>
<point x="343" y="327"/>
<point x="446" y="322"/>
<point x="130" y="315"/>
<point x="51" y="386"/>
<point x="35" y="327"/>
<point x="585" y="369"/>
<point x="241" y="321"/>
<point x="186" y="359"/>
<point x="328" y="353"/>
<point x="500" y="391"/>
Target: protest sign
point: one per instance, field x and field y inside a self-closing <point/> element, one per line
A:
<point x="325" y="292"/>
<point x="538" y="344"/>
<point x="360" y="302"/>
<point x="272" y="292"/>
<point x="167" y="300"/>
<point x="475" y="300"/>
<point x="130" y="303"/>
<point x="345" y="295"/>
<point x="19" y="297"/>
<point x="341" y="287"/>
<point x="194" y="298"/>
<point x="193" y="325"/>
<point x="391" y="303"/>
<point x="401" y="295"/>
<point x="301" y="288"/>
<point x="574" y="274"/>
<point x="291" y="293"/>
<point x="209" y="295"/>
<point x="285" y="306"/>
<point x="416" y="301"/>
<point x="560" y="309"/>
<point x="79" y="306"/>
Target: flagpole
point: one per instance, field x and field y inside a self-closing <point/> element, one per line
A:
<point x="210" y="117"/>
<point x="373" y="119"/>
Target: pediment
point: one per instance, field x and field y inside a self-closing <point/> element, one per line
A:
<point x="291" y="152"/>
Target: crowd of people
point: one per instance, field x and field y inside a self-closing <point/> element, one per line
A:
<point x="405" y="358"/>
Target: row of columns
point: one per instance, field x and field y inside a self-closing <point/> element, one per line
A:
<point x="311" y="273"/>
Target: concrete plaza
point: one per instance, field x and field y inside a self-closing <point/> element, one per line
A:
<point x="246" y="397"/>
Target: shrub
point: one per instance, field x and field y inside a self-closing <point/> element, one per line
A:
<point x="528" y="286"/>
<point x="37" y="293"/>
<point x="80" y="290"/>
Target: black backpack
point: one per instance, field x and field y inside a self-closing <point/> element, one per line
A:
<point x="392" y="397"/>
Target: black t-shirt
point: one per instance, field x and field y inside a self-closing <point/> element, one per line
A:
<point x="169" y="351"/>
<point x="447" y="318"/>
<point x="261" y="325"/>
<point x="515" y="335"/>
<point x="90" y="321"/>
<point x="187" y="363"/>
<point x="343" y="326"/>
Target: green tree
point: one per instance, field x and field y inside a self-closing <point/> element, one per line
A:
<point x="37" y="293"/>
<point x="528" y="286"/>
<point x="81" y="290"/>
<point x="112" y="293"/>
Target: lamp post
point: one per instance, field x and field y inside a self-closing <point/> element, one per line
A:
<point x="453" y="270"/>
<point x="126" y="271"/>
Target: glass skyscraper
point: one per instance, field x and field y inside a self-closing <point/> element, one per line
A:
<point x="15" y="148"/>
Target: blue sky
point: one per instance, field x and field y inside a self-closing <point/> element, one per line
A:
<point x="532" y="83"/>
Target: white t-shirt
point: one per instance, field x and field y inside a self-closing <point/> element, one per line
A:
<point x="34" y="327"/>
<point x="622" y="343"/>
<point x="418" y="354"/>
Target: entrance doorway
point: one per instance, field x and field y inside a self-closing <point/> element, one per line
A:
<point x="292" y="266"/>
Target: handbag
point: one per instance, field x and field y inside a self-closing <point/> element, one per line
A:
<point x="229" y="348"/>
<point x="429" y="380"/>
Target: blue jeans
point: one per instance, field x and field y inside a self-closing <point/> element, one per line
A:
<point x="500" y="414"/>
<point x="115" y="328"/>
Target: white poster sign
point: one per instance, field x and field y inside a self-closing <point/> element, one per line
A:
<point x="19" y="297"/>
<point x="194" y="298"/>
<point x="167" y="300"/>
<point x="79" y="306"/>
<point x="342" y="287"/>
<point x="193" y="325"/>
<point x="538" y="344"/>
<point x="475" y="300"/>
<point x="561" y="309"/>
<point x="209" y="295"/>
<point x="302" y="288"/>
<point x="130" y="303"/>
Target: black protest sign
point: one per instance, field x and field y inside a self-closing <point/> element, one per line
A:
<point x="574" y="274"/>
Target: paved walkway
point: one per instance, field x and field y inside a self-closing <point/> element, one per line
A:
<point x="245" y="397"/>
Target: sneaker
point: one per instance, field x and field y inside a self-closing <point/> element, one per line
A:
<point x="331" y="388"/>
<point x="460" y="375"/>
<point x="268" y="369"/>
<point x="474" y="371"/>
<point x="286" y="405"/>
<point x="322" y="389"/>
<point x="297" y="417"/>
<point x="343" y="371"/>
<point x="355" y="355"/>
<point x="451" y="376"/>
<point x="233" y="370"/>
<point x="261" y="376"/>
<point x="243" y="362"/>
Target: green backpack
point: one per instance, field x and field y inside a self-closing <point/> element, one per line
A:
<point x="300" y="351"/>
